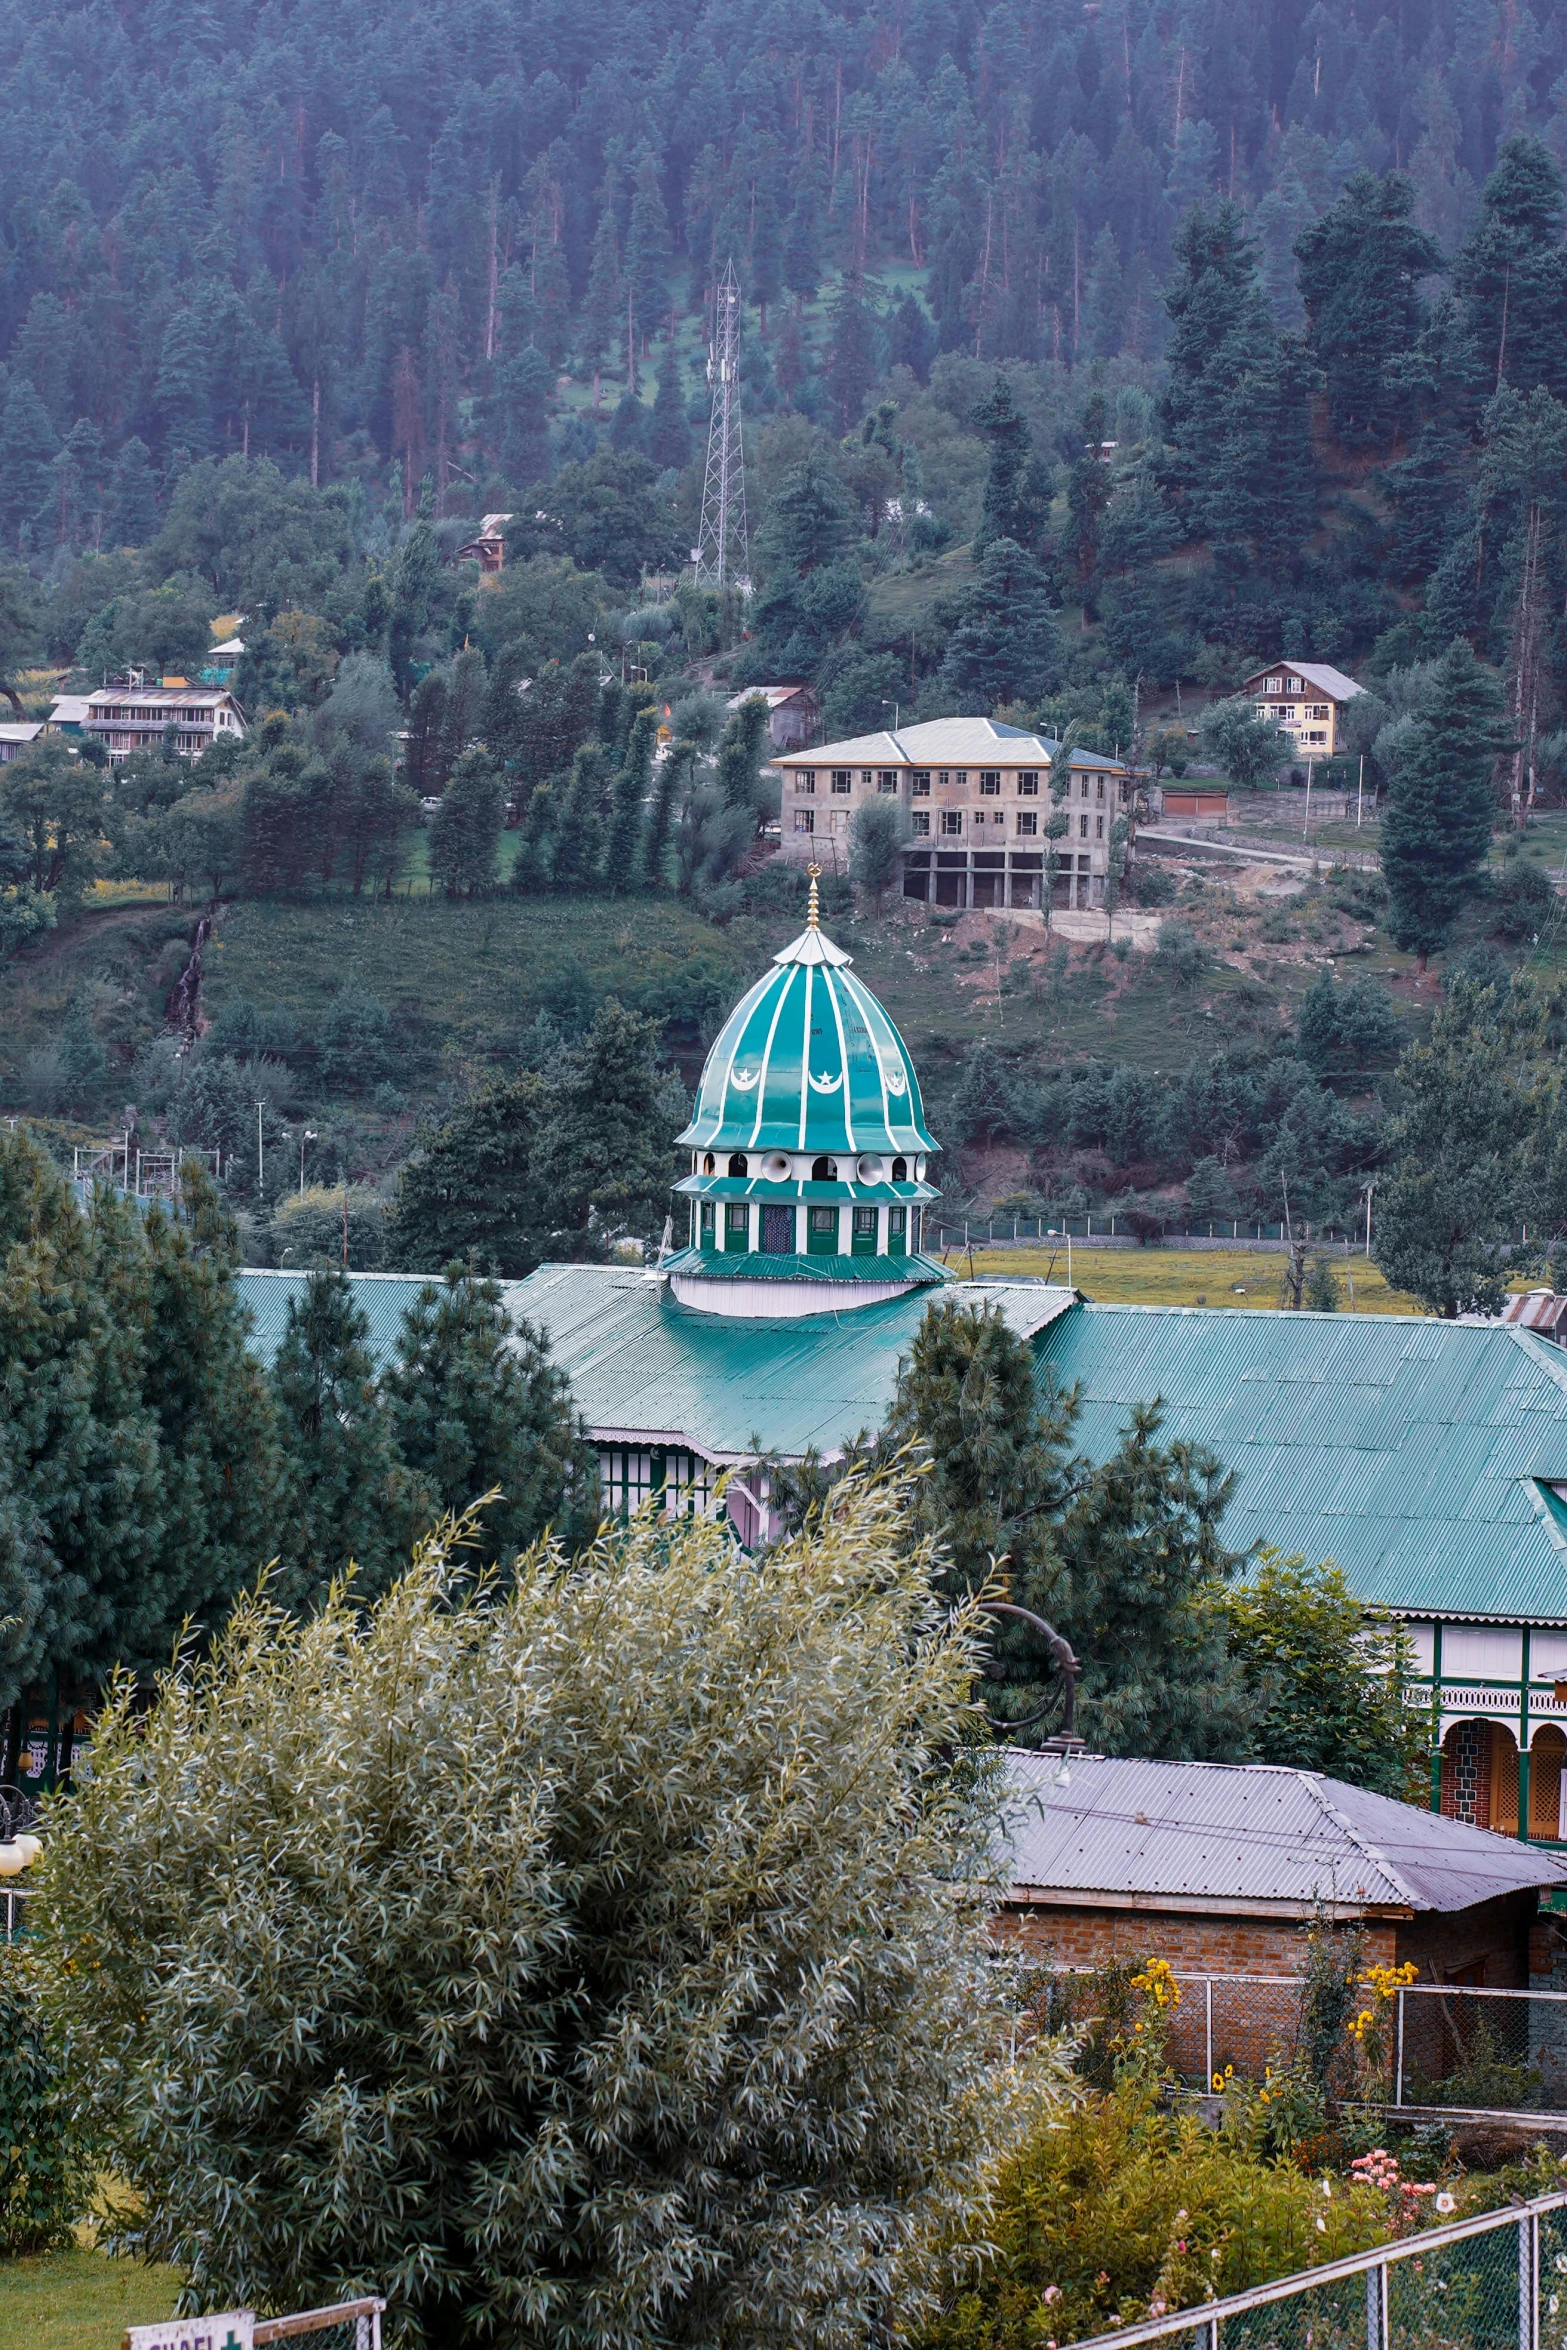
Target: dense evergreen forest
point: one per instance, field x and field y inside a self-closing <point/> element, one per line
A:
<point x="421" y="260"/>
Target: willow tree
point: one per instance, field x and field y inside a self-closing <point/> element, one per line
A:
<point x="597" y="1957"/>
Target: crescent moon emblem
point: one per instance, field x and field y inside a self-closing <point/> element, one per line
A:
<point x="896" y="1081"/>
<point x="824" y="1084"/>
<point x="744" y="1078"/>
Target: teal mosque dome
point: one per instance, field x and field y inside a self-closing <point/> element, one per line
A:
<point x="809" y="1061"/>
<point x="809" y="1149"/>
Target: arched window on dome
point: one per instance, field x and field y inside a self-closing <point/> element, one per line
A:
<point x="739" y="1164"/>
<point x="821" y="1170"/>
<point x="900" y="1170"/>
<point x="708" y="1164"/>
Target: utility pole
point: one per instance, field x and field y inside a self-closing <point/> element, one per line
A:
<point x="722" y="552"/>
<point x="261" y="1159"/>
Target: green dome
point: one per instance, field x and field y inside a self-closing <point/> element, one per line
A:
<point x="809" y="1062"/>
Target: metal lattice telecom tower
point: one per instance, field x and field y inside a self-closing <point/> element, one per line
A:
<point x="722" y="552"/>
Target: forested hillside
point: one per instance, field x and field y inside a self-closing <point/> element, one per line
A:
<point x="1089" y="357"/>
<point x="423" y="259"/>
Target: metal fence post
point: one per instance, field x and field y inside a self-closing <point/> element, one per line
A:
<point x="1376" y="2307"/>
<point x="1398" y="2081"/>
<point x="1528" y="2280"/>
<point x="1207" y="2031"/>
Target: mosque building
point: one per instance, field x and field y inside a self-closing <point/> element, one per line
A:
<point x="1428" y="1458"/>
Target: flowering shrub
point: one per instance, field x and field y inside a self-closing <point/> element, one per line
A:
<point x="1123" y="2211"/>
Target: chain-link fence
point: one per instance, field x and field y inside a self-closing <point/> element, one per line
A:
<point x="1494" y="2283"/>
<point x="1424" y="2047"/>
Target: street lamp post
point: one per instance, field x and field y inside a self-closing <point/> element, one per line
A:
<point x="309" y="1135"/>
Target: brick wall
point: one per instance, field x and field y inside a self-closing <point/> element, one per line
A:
<point x="1251" y="2025"/>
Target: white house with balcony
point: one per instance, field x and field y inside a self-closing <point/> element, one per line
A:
<point x="135" y="716"/>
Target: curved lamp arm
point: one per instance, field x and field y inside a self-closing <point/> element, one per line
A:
<point x="1061" y="1656"/>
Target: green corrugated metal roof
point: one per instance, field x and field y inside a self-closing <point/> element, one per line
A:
<point x="383" y="1298"/>
<point x="1419" y="1454"/>
<point x="642" y="1364"/>
<point x="1415" y="1453"/>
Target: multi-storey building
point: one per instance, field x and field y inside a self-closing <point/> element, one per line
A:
<point x="135" y="717"/>
<point x="1305" y="698"/>
<point x="977" y="798"/>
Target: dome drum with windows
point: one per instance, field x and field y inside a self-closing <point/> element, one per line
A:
<point x="808" y="1148"/>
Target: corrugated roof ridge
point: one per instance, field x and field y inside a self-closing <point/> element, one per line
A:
<point x="1362" y="1844"/>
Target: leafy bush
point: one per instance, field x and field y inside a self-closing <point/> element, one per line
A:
<point x="598" y="2047"/>
<point x="45" y="2166"/>
<point x="1178" y="957"/>
<point x="1122" y="2212"/>
<point x="1527" y="901"/>
<point x="307" y="1229"/>
<point x="355" y="1040"/>
<point x="1151" y="884"/>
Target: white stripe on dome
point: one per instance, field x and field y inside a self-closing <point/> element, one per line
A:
<point x="867" y="1003"/>
<point x="767" y="1060"/>
<point x="805" y="1058"/>
<point x="912" y="1119"/>
<point x="843" y="1065"/>
<point x="739" y="1020"/>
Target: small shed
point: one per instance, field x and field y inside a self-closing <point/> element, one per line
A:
<point x="793" y="713"/>
<point x="1223" y="1867"/>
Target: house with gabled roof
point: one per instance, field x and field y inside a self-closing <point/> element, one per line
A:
<point x="976" y="798"/>
<point x="1307" y="699"/>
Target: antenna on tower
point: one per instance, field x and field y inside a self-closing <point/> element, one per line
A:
<point x="722" y="552"/>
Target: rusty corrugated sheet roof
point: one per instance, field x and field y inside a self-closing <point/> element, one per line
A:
<point x="1249" y="1833"/>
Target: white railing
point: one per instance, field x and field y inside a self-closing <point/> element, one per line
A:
<point x="1484" y="2281"/>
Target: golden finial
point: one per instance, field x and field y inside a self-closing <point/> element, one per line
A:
<point x="813" y="912"/>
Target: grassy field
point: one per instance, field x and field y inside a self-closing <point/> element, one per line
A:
<point x="1186" y="1277"/>
<point x="79" y="2300"/>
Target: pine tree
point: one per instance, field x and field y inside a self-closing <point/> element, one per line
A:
<point x="802" y="248"/>
<point x="28" y="442"/>
<point x="622" y="869"/>
<point x="578" y="833"/>
<point x="1006" y="646"/>
<point x="476" y="1406"/>
<point x="1124" y="1559"/>
<point x="1219" y="327"/>
<point x="603" y="322"/>
<point x="1360" y="266"/>
<point x="472" y="1191"/>
<point x="182" y="388"/>
<point x="743" y="747"/>
<point x="1006" y="511"/>
<point x="669" y="429"/>
<point x="426" y="764"/>
<point x="649" y="254"/>
<point x="913" y="343"/>
<point x="347" y="1498"/>
<point x="1436" y="827"/>
<point x="851" y="364"/>
<point x="1449" y="1203"/>
<point x="671" y="779"/>
<point x="607" y="1152"/>
<point x="131" y="510"/>
<point x="1510" y="275"/>
<point x="465" y="830"/>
